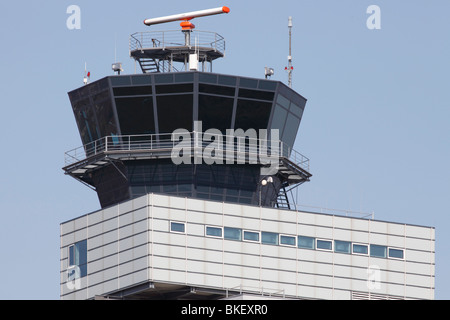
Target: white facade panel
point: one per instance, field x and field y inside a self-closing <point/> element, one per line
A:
<point x="144" y="248"/>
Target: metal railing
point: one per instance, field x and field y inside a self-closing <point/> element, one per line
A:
<point x="175" y="38"/>
<point x="237" y="147"/>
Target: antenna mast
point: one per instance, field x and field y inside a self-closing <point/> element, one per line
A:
<point x="290" y="67"/>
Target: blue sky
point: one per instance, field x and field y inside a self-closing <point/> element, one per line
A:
<point x="376" y="124"/>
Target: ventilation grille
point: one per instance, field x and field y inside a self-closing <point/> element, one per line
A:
<point x="356" y="295"/>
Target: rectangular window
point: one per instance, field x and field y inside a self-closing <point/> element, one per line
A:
<point x="287" y="240"/>
<point x="324" y="244"/>
<point x="214" y="232"/>
<point x="78" y="260"/>
<point x="342" y="246"/>
<point x="395" y="253"/>
<point x="232" y="234"/>
<point x="306" y="242"/>
<point x="251" y="236"/>
<point x="269" y="238"/>
<point x="177" y="227"/>
<point x="378" y="251"/>
<point x="360" y="249"/>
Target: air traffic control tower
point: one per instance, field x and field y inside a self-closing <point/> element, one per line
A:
<point x="193" y="170"/>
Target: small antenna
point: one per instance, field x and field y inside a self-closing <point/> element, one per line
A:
<point x="87" y="75"/>
<point x="290" y="68"/>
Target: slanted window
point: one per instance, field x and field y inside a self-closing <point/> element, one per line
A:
<point x="360" y="249"/>
<point x="306" y="242"/>
<point x="378" y="251"/>
<point x="78" y="260"/>
<point x="177" y="227"/>
<point x="251" y="236"/>
<point x="324" y="245"/>
<point x="342" y="246"/>
<point x="395" y="253"/>
<point x="269" y="238"/>
<point x="214" y="232"/>
<point x="232" y="234"/>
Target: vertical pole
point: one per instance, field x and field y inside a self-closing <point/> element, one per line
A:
<point x="290" y="53"/>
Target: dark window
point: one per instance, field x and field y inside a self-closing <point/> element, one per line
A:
<point x="252" y="114"/>
<point x="132" y="91"/>
<point x="215" y="112"/>
<point x="254" y="94"/>
<point x="175" y="88"/>
<point x="219" y="90"/>
<point x="175" y="112"/>
<point x="135" y="115"/>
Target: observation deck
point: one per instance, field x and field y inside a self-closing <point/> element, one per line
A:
<point x="158" y="51"/>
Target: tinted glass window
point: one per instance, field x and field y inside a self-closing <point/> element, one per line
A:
<point x="395" y="253"/>
<point x="323" y="244"/>
<point x="177" y="227"/>
<point x="269" y="238"/>
<point x="361" y="249"/>
<point x="175" y="88"/>
<point x="255" y="94"/>
<point x="287" y="240"/>
<point x="175" y="112"/>
<point x="215" y="112"/>
<point x="78" y="258"/>
<point x="342" y="246"/>
<point x="215" y="232"/>
<point x="132" y="91"/>
<point x="251" y="236"/>
<point x="306" y="242"/>
<point x="136" y="115"/>
<point x="279" y="118"/>
<point x="378" y="251"/>
<point x="252" y="114"/>
<point x="290" y="130"/>
<point x="232" y="233"/>
<point x="219" y="90"/>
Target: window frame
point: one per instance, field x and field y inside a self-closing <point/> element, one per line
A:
<point x="251" y="231"/>
<point x="286" y="244"/>
<point x="359" y="253"/>
<point x="396" y="249"/>
<point x="324" y="240"/>
<point x="176" y="231"/>
<point x="378" y="245"/>
<point x="232" y="239"/>
<point x="306" y="237"/>
<point x="271" y="233"/>
<point x="213" y="236"/>
<point x="342" y="241"/>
